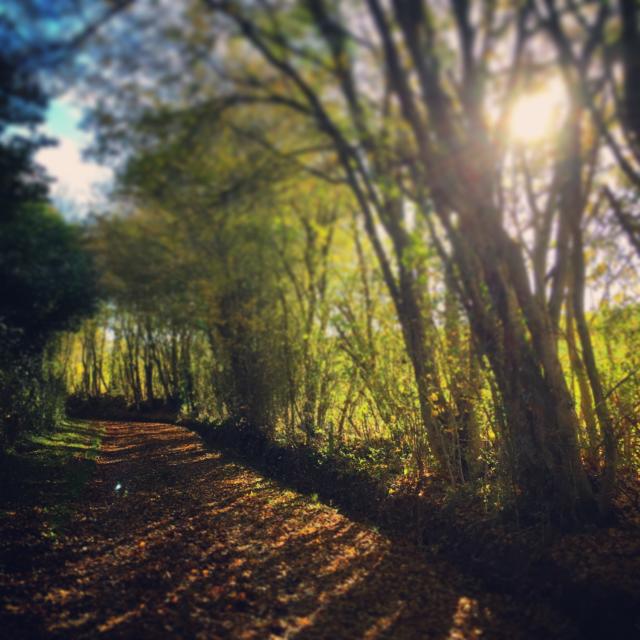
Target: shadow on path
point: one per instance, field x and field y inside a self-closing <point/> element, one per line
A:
<point x="172" y="540"/>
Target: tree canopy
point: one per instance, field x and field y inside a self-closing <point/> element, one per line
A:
<point x="380" y="221"/>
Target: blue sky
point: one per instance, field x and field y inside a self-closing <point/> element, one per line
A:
<point x="63" y="119"/>
<point x="24" y="25"/>
<point x="79" y="184"/>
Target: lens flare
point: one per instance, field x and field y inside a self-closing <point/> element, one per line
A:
<point x="536" y="116"/>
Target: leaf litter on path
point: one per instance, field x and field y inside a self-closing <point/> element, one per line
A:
<point x="193" y="545"/>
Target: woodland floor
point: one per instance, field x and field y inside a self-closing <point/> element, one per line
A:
<point x="168" y="539"/>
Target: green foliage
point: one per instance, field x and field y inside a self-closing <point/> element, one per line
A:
<point x="22" y="105"/>
<point x="306" y="245"/>
<point x="46" y="277"/>
<point x="54" y="466"/>
<point x="46" y="285"/>
<point x="31" y="400"/>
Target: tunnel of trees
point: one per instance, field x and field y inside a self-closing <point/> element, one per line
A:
<point x="343" y="225"/>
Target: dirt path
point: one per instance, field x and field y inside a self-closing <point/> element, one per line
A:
<point x="172" y="540"/>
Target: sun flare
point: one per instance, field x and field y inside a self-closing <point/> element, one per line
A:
<point x="536" y="116"/>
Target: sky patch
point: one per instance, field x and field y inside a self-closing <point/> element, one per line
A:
<point x="79" y="184"/>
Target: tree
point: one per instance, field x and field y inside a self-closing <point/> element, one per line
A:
<point x="409" y="105"/>
<point x="46" y="278"/>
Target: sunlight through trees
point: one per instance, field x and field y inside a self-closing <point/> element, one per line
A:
<point x="404" y="226"/>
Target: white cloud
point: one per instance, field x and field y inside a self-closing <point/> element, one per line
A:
<point x="77" y="180"/>
<point x="79" y="184"/>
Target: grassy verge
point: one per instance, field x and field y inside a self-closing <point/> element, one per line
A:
<point x="47" y="472"/>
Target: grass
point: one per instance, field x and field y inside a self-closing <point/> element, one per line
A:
<point x="48" y="472"/>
